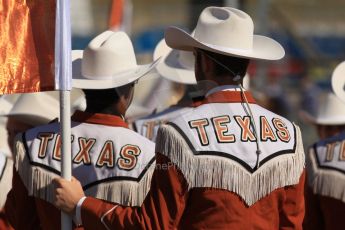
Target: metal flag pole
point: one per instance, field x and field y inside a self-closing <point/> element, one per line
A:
<point x="66" y="168"/>
<point x="63" y="78"/>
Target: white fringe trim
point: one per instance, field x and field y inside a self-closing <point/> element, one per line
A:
<point x="328" y="183"/>
<point x="38" y="183"/>
<point x="129" y="193"/>
<point x="36" y="180"/>
<point x="105" y="215"/>
<point x="222" y="173"/>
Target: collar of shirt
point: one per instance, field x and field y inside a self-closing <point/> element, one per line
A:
<point x="99" y="119"/>
<point x="228" y="94"/>
<point x="224" y="88"/>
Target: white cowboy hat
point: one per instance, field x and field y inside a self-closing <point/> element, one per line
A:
<point x="107" y="62"/>
<point x="331" y="111"/>
<point x="226" y="31"/>
<point x="3" y="137"/>
<point x="338" y="81"/>
<point x="5" y="105"/>
<point x="42" y="107"/>
<point x="178" y="66"/>
<point x="175" y="65"/>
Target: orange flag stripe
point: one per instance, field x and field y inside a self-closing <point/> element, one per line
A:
<point x="27" y="34"/>
<point x="116" y="13"/>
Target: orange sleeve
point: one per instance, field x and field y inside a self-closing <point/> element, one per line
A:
<point x="162" y="207"/>
<point x="292" y="211"/>
<point x="313" y="216"/>
<point x="20" y="208"/>
<point x="4" y="225"/>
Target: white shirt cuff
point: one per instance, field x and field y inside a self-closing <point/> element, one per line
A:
<point x="77" y="218"/>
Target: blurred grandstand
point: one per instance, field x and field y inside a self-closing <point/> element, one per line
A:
<point x="312" y="32"/>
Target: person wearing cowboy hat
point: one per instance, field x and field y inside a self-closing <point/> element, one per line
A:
<point x="177" y="67"/>
<point x="325" y="200"/>
<point x="111" y="162"/>
<point x="20" y="113"/>
<point x="35" y="109"/>
<point x="6" y="104"/>
<point x="330" y="117"/>
<point x="24" y="112"/>
<point x="6" y="162"/>
<point x="338" y="81"/>
<point x="226" y="164"/>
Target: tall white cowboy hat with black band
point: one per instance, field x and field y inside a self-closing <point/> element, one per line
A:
<point x="178" y="66"/>
<point x="5" y="105"/>
<point x="107" y="62"/>
<point x="338" y="81"/>
<point x="331" y="111"/>
<point x="226" y="31"/>
<point x="42" y="107"/>
<point x="175" y="65"/>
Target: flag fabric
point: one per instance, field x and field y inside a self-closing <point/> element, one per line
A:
<point x="27" y="37"/>
<point x="116" y="14"/>
<point x="35" y="55"/>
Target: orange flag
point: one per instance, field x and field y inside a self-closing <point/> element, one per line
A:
<point x="27" y="34"/>
<point x="116" y="14"/>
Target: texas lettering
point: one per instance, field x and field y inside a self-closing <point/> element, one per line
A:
<point x="273" y="130"/>
<point x="128" y="154"/>
<point x="330" y="151"/>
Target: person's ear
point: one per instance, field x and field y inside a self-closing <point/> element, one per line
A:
<point x="207" y="64"/>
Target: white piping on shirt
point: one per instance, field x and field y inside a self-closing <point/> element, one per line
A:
<point x="109" y="211"/>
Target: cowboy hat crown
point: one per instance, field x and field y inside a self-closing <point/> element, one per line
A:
<point x="99" y="55"/>
<point x="338" y="81"/>
<point x="5" y="105"/>
<point x="227" y="31"/>
<point x="107" y="62"/>
<point x="331" y="111"/>
<point x="215" y="20"/>
<point x="176" y="65"/>
<point x="42" y="107"/>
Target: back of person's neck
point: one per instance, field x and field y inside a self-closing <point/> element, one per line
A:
<point x="224" y="79"/>
<point x="227" y="80"/>
<point x="224" y="88"/>
<point x="220" y="81"/>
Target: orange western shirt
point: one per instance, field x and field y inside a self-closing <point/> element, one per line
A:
<point x="26" y="209"/>
<point x="325" y="186"/>
<point x="198" y="184"/>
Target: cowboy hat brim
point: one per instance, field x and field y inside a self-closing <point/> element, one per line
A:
<point x="43" y="112"/>
<point x="338" y="81"/>
<point x="170" y="67"/>
<point x="119" y="79"/>
<point x="42" y="107"/>
<point x="310" y="119"/>
<point x="263" y="47"/>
